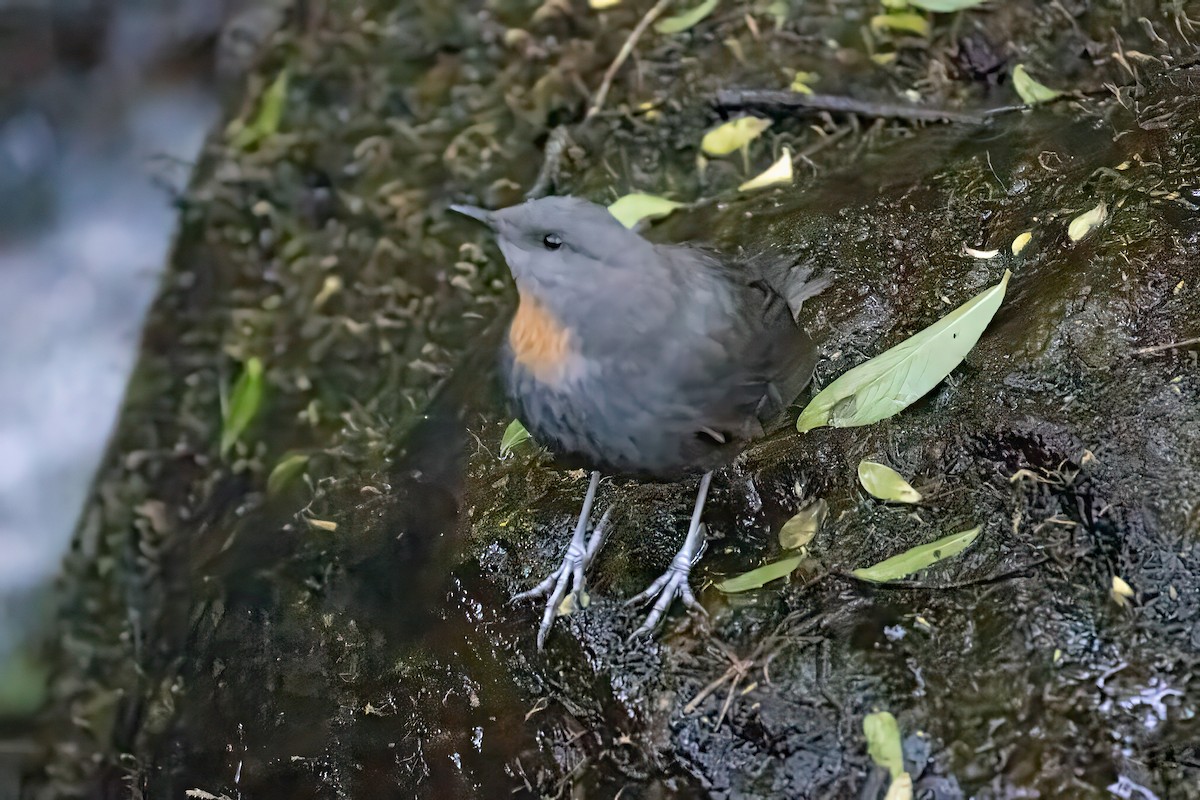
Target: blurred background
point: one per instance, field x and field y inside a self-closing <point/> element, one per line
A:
<point x="104" y="108"/>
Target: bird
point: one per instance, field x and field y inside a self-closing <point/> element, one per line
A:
<point x="638" y="359"/>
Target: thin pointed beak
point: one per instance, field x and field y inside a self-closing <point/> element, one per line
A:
<point x="481" y="214"/>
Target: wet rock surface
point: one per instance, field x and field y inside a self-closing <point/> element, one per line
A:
<point x="219" y="639"/>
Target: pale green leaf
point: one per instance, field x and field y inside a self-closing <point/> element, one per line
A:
<point x="904" y="21"/>
<point x="883" y="742"/>
<point x="779" y="11"/>
<point x="778" y="173"/>
<point x="243" y="405"/>
<point x="756" y="578"/>
<point x="901" y="788"/>
<point x="733" y="135"/>
<point x="918" y="558"/>
<point x="681" y="22"/>
<point x="945" y="6"/>
<point x="802" y="82"/>
<point x="266" y="121"/>
<point x="514" y="435"/>
<point x="287" y="470"/>
<point x="633" y="208"/>
<point x="1082" y="225"/>
<point x="800" y="529"/>
<point x="1031" y="91"/>
<point x="884" y="483"/>
<point x="896" y="378"/>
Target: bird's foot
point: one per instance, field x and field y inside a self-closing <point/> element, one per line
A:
<point x="578" y="557"/>
<point x="671" y="584"/>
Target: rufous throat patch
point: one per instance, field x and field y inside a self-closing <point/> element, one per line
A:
<point x="540" y="343"/>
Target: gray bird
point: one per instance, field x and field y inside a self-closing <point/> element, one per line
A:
<point x="639" y="359"/>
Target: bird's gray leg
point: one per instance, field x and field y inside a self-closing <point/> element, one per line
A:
<point x="579" y="554"/>
<point x="674" y="582"/>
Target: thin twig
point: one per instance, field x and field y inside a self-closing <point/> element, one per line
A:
<point x="623" y="55"/>
<point x="791" y="101"/>
<point x="1141" y="351"/>
<point x="552" y="157"/>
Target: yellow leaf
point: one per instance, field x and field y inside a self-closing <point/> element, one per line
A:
<point x="903" y="21"/>
<point x="777" y="173"/>
<point x="800" y="529"/>
<point x="633" y="208"/>
<point x="1018" y="244"/>
<point x="1082" y="225"/>
<point x="733" y="135"/>
<point x="801" y="82"/>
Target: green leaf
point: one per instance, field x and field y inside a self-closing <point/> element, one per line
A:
<point x="287" y="470"/>
<point x="266" y="121"/>
<point x="733" y="135"/>
<point x="884" y="483"/>
<point x="883" y="742"/>
<point x="944" y="6"/>
<point x="756" y="578"/>
<point x="22" y="684"/>
<point x="514" y="435"/>
<point x="244" y="402"/>
<point x="1031" y="91"/>
<point x="633" y="208"/>
<point x="905" y="21"/>
<point x="804" y="526"/>
<point x="918" y="558"/>
<point x="895" y="379"/>
<point x="681" y="22"/>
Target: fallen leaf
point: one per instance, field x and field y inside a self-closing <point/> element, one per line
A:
<point x="883" y="742"/>
<point x="266" y="121"/>
<point x="1030" y="91"/>
<point x="1082" y="225"/>
<point x="756" y="578"/>
<point x="243" y="405"/>
<point x="944" y="6"/>
<point x="896" y="378"/>
<point x="804" y="526"/>
<point x="1018" y="244"/>
<point x="904" y="21"/>
<point x="633" y="208"/>
<point x="901" y="788"/>
<point x="778" y="173"/>
<point x="917" y="558"/>
<point x="1122" y="592"/>
<point x="733" y="135"/>
<point x="287" y="470"/>
<point x="681" y="22"/>
<point x="884" y="483"/>
<point x="986" y="255"/>
<point x="514" y="435"/>
<point x="800" y="83"/>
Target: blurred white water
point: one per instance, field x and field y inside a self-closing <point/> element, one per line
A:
<point x="91" y="159"/>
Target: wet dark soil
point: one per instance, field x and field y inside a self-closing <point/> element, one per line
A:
<point x="217" y="639"/>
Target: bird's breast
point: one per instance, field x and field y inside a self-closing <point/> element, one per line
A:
<point x="539" y="342"/>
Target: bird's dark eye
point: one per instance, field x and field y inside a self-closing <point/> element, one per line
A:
<point x="552" y="241"/>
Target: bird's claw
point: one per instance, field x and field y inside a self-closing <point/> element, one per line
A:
<point x="671" y="584"/>
<point x="571" y="570"/>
